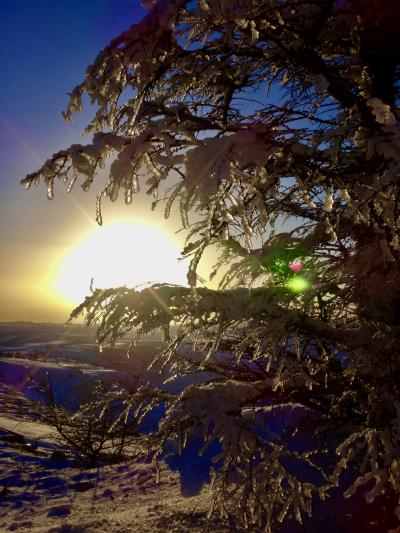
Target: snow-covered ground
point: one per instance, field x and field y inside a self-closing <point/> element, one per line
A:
<point x="43" y="491"/>
<point x="40" y="490"/>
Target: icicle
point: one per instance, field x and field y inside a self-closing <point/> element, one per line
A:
<point x="50" y="191"/>
<point x="114" y="193"/>
<point x="99" y="218"/>
<point x="184" y="216"/>
<point x="328" y="206"/>
<point x="254" y="32"/>
<point x="72" y="183"/>
<point x="128" y="196"/>
<point x="345" y="195"/>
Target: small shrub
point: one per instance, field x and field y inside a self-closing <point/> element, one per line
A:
<point x="101" y="430"/>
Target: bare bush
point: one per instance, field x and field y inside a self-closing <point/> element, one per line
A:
<point x="101" y="430"/>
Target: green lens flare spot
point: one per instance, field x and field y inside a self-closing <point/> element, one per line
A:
<point x="297" y="284"/>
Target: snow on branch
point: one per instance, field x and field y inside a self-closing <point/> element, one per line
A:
<point x="260" y="114"/>
<point x="117" y="311"/>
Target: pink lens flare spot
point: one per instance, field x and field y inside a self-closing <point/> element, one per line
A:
<point x="295" y="267"/>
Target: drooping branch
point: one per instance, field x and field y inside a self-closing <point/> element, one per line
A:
<point x="258" y="111"/>
<point x="117" y="311"/>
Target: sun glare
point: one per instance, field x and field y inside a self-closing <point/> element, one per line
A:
<point x="120" y="253"/>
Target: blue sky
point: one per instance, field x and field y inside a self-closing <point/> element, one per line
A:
<point x="45" y="48"/>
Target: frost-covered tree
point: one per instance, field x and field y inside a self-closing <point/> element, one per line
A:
<point x="263" y="112"/>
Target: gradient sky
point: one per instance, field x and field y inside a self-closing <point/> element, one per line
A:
<point x="45" y="47"/>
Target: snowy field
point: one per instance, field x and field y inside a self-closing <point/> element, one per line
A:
<point x="40" y="489"/>
<point x="43" y="490"/>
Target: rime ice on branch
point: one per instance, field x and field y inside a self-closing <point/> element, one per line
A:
<point x="256" y="112"/>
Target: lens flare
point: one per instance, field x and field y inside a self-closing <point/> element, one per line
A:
<point x="296" y="266"/>
<point x="297" y="284"/>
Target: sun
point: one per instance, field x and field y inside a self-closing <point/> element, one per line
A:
<point x="119" y="253"/>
